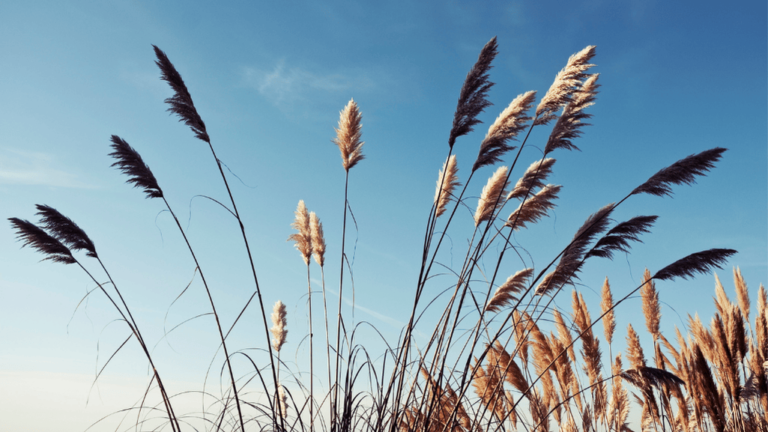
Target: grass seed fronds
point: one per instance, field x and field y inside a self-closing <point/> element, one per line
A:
<point x="492" y="193"/>
<point x="348" y="135"/>
<point x="507" y="126"/>
<point x="447" y="182"/>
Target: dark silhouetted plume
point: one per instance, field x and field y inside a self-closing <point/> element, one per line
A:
<point x="181" y="102"/>
<point x="472" y="98"/>
<point x="683" y="171"/>
<point x="34" y="236"/>
<point x="130" y="163"/>
<point x="699" y="262"/>
<point x="65" y="230"/>
<point x="642" y="376"/>
<point x="573" y="256"/>
<point x="618" y="238"/>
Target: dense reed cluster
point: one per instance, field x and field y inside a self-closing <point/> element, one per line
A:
<point x="500" y="356"/>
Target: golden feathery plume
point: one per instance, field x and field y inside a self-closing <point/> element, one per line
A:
<point x="505" y="293"/>
<point x="742" y="294"/>
<point x="651" y="307"/>
<point x="564" y="333"/>
<point x="348" y="135"/>
<point x="303" y="237"/>
<point x="634" y="350"/>
<point x="566" y="82"/>
<point x="609" y="319"/>
<point x="722" y="302"/>
<point x="446" y="186"/>
<point x="492" y="192"/>
<point x="282" y="401"/>
<point x="533" y="178"/>
<point x="318" y="239"/>
<point x="279" y="322"/>
<point x="534" y="208"/>
<point x="507" y="126"/>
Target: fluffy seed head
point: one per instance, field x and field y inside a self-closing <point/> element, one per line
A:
<point x="505" y="293"/>
<point x="534" y="208"/>
<point x="303" y="238"/>
<point x="492" y="193"/>
<point x="348" y="135"/>
<point x="566" y="82"/>
<point x="532" y="179"/>
<point x="447" y="181"/>
<point x="506" y="127"/>
<point x="609" y="319"/>
<point x="30" y="234"/>
<point x="318" y="239"/>
<point x="279" y="333"/>
<point x="651" y="307"/>
<point x="65" y="230"/>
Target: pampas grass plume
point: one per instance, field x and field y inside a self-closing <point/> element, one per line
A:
<point x="492" y="193"/>
<point x="348" y="135"/>
<point x="318" y="239"/>
<point x="279" y="333"/>
<point x="447" y="182"/>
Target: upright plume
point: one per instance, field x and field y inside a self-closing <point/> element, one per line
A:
<point x="348" y="135"/>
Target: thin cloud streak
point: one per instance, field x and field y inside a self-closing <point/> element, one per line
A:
<point x="19" y="167"/>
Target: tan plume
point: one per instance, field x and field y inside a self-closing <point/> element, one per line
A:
<point x="651" y="307"/>
<point x="492" y="193"/>
<point x="609" y="319"/>
<point x="566" y="82"/>
<point x="534" y="208"/>
<point x="507" y="126"/>
<point x="279" y="322"/>
<point x="318" y="239"/>
<point x="742" y="294"/>
<point x="303" y="238"/>
<point x="569" y="124"/>
<point x="532" y="179"/>
<point x="447" y="181"/>
<point x="634" y="349"/>
<point x="505" y="293"/>
<point x="348" y="135"/>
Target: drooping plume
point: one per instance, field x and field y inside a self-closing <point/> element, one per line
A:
<point x="567" y="81"/>
<point x="181" y="101"/>
<point x="569" y="124"/>
<point x="534" y="208"/>
<point x="683" y="171"/>
<point x="618" y="238"/>
<point x="31" y="235"/>
<point x="505" y="293"/>
<point x="472" y="98"/>
<point x="492" y="193"/>
<point x="65" y="230"/>
<point x="532" y="179"/>
<point x="318" y="239"/>
<point x="573" y="257"/>
<point x="446" y="186"/>
<point x="348" y="135"/>
<point x="302" y="238"/>
<point x="279" y="322"/>
<point x="700" y="262"/>
<point x="130" y="163"/>
<point x="506" y="127"/>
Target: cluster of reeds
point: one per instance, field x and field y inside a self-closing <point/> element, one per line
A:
<point x="492" y="361"/>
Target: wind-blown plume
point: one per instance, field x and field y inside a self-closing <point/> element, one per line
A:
<point x="683" y="171"/>
<point x="447" y="181"/>
<point x="30" y="234"/>
<point x="533" y="178"/>
<point x="181" y="102"/>
<point x="318" y="239"/>
<point x="130" y="163"/>
<point x="472" y="98"/>
<point x="634" y="349"/>
<point x="534" y="208"/>
<point x="606" y="305"/>
<point x="279" y="333"/>
<point x="492" y="192"/>
<point x="642" y="376"/>
<point x="572" y="258"/>
<point x="569" y="124"/>
<point x="651" y="307"/>
<point x="700" y="262"/>
<point x="742" y="293"/>
<point x="506" y="127"/>
<point x="348" y="135"/>
<point x="303" y="238"/>
<point x="65" y="230"/>
<point x="618" y="238"/>
<point x="505" y="293"/>
<point x="566" y="82"/>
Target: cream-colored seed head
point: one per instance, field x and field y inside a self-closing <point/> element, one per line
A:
<point x="348" y="135"/>
<point x="318" y="239"/>
<point x="447" y="181"/>
<point x="279" y="322"/>
<point x="492" y="193"/>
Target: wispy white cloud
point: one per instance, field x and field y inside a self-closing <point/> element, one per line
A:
<point x="18" y="167"/>
<point x="285" y="85"/>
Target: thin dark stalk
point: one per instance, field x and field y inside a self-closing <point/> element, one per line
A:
<point x="311" y="356"/>
<point x="338" y="320"/>
<point x="213" y="306"/>
<point x="327" y="337"/>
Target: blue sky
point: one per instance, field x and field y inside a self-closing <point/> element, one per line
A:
<point x="269" y="79"/>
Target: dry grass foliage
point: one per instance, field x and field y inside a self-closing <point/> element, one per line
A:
<point x="499" y="356"/>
